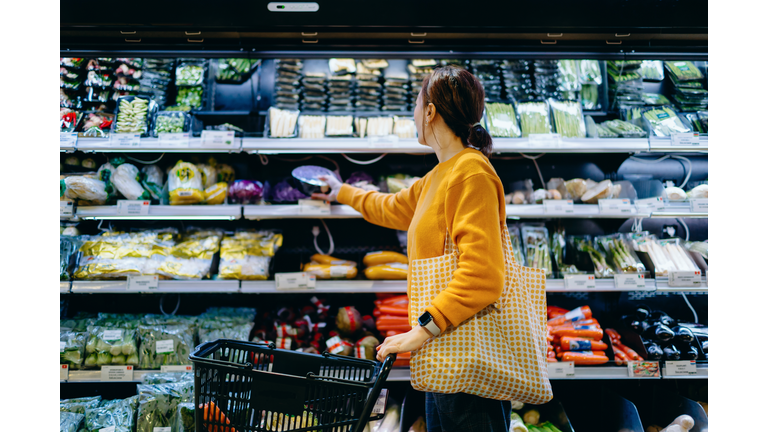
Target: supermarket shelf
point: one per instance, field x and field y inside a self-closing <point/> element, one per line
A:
<point x="341" y="287"/>
<point x="64" y="287"/>
<point x="258" y="212"/>
<point x="582" y="373"/>
<point x="680" y="209"/>
<point x="662" y="285"/>
<point x="177" y="287"/>
<point x="602" y="285"/>
<point x="153" y="145"/>
<point x="570" y="145"/>
<point x="702" y="372"/>
<point x="86" y="376"/>
<point x="332" y="145"/>
<point x="165" y="212"/>
<point x="664" y="145"/>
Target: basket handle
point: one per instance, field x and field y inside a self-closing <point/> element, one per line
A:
<point x="387" y="364"/>
<point x="203" y="350"/>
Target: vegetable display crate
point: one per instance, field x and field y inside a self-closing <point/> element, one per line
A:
<point x="255" y="387"/>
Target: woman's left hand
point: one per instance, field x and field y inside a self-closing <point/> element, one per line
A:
<point x="405" y="342"/>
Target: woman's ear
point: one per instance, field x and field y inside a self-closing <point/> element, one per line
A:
<point x="430" y="113"/>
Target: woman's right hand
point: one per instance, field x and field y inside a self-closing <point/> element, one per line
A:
<point x="335" y="186"/>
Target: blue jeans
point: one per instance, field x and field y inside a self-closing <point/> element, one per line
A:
<point x="463" y="412"/>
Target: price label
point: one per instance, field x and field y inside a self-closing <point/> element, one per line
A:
<point x="176" y="368"/>
<point x="112" y="335"/>
<point x="117" y="373"/>
<point x="386" y="141"/>
<point x="125" y="140"/>
<point x="314" y="207"/>
<point x="700" y="205"/>
<point x="381" y="403"/>
<point x="164" y="346"/>
<point x="132" y="207"/>
<point x="544" y="140"/>
<point x="649" y="204"/>
<point x="685" y="278"/>
<point x="338" y="271"/>
<point x="629" y="281"/>
<point x="225" y="139"/>
<point x="643" y="369"/>
<point x="107" y="429"/>
<point x="283" y="343"/>
<point x="335" y="345"/>
<point x="615" y="206"/>
<point x="300" y="280"/>
<point x="142" y="283"/>
<point x="561" y="370"/>
<point x="161" y="429"/>
<point x="67" y="208"/>
<point x="67" y="139"/>
<point x="680" y="368"/>
<point x="63" y="372"/>
<point x="685" y="139"/>
<point x="174" y="139"/>
<point x="580" y="282"/>
<point x="558" y="206"/>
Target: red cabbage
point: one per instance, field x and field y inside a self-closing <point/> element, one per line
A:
<point x="360" y="176"/>
<point x="246" y="191"/>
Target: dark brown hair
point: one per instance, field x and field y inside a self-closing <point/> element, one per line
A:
<point x="460" y="100"/>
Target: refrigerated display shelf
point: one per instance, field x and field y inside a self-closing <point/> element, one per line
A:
<point x="341" y="287"/>
<point x="153" y="145"/>
<point x="664" y="145"/>
<point x="164" y="286"/>
<point x="662" y="285"/>
<point x="64" y="287"/>
<point x="164" y="212"/>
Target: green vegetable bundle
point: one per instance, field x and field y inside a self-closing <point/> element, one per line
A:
<point x="170" y="122"/>
<point x="582" y="244"/>
<point x="624" y="129"/>
<point x="110" y="346"/>
<point x="620" y="253"/>
<point x="190" y="96"/>
<point x="132" y="115"/>
<point x="70" y="422"/>
<point x="79" y="405"/>
<point x="664" y="122"/>
<point x="72" y="348"/>
<point x="118" y="413"/>
<point x="165" y="344"/>
<point x="589" y="96"/>
<point x="534" y="118"/>
<point x="184" y="420"/>
<point x="558" y="250"/>
<point x="158" y="403"/>
<point x="683" y="70"/>
<point x="234" y="69"/>
<point x="189" y="75"/>
<point x="569" y="120"/>
<point x="537" y="253"/>
<point x="604" y="132"/>
<point x="589" y="72"/>
<point x="502" y="120"/>
<point x="569" y="75"/>
<point x="652" y="70"/>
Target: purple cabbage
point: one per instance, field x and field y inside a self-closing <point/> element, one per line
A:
<point x="284" y="192"/>
<point x="360" y="176"/>
<point x="246" y="192"/>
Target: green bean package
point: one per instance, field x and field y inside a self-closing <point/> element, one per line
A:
<point x="165" y="344"/>
<point x="110" y="346"/>
<point x="79" y="405"/>
<point x="133" y="114"/>
<point x="70" y="422"/>
<point x="72" y="348"/>
<point x="534" y="118"/>
<point x="158" y="403"/>
<point x="118" y="413"/>
<point x="502" y="120"/>
<point x="569" y="120"/>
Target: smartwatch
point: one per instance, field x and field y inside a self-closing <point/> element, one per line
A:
<point x="426" y="321"/>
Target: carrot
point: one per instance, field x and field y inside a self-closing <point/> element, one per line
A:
<point x="396" y="327"/>
<point x="589" y="332"/>
<point x="590" y="321"/>
<point x="569" y="343"/>
<point x="551" y="360"/>
<point x="394" y="310"/>
<point x="554" y="311"/>
<point x="620" y="357"/>
<point x="396" y="300"/>
<point x="577" y="314"/>
<point x="215" y="416"/>
<point x="392" y="319"/>
<point x="613" y="334"/>
<point x="581" y="358"/>
<point x="631" y="354"/>
<point x="598" y="353"/>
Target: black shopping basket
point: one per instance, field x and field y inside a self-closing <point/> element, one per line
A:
<point x="243" y="387"/>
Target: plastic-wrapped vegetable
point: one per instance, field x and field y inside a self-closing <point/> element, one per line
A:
<point x="664" y="122"/>
<point x="536" y="246"/>
<point x="517" y="249"/>
<point x="652" y="70"/>
<point x="216" y="194"/>
<point x="158" y="403"/>
<point x="132" y="115"/>
<point x="191" y="258"/>
<point x="126" y="180"/>
<point x="284" y="192"/>
<point x="209" y="174"/>
<point x="188" y="74"/>
<point x="676" y="254"/>
<point x="185" y="184"/>
<point x="569" y="121"/>
<point x="152" y="180"/>
<point x="70" y="422"/>
<point x="171" y="122"/>
<point x="624" y="129"/>
<point x="105" y="173"/>
<point x="71" y="348"/>
<point x="534" y="118"/>
<point x="79" y="405"/>
<point x="221" y="328"/>
<point x="184" y="420"/>
<point x="166" y="377"/>
<point x="190" y="97"/>
<point x="246" y="192"/>
<point x="558" y="250"/>
<point x="85" y="189"/>
<point x="502" y="120"/>
<point x="620" y="253"/>
<point x="110" y="346"/>
<point x="683" y="70"/>
<point x="67" y="247"/>
<point x="118" y="413"/>
<point x="163" y="345"/>
<point x="582" y="244"/>
<point x="247" y="254"/>
<point x="661" y="263"/>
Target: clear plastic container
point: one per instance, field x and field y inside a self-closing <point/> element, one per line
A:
<point x="282" y="123"/>
<point x="171" y="122"/>
<point x="133" y="115"/>
<point x="190" y="74"/>
<point x="568" y="119"/>
<point x="502" y="120"/>
<point x="534" y="118"/>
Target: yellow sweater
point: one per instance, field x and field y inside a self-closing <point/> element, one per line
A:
<point x="464" y="197"/>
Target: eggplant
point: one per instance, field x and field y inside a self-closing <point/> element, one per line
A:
<point x="654" y="350"/>
<point x="659" y="332"/>
<point x="705" y="346"/>
<point x="663" y="318"/>
<point x="689" y="353"/>
<point x="642" y="314"/>
<point x="671" y="353"/>
<point x="683" y="334"/>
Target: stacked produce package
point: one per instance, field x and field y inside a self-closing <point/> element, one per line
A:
<point x="488" y="72"/>
<point x="288" y="83"/>
<point x="590" y="78"/>
<point x="391" y="314"/>
<point x="625" y="86"/>
<point x="190" y="77"/>
<point x="547" y="78"/>
<point x="688" y="81"/>
<point x="370" y="92"/>
<point x="397" y="92"/>
<point x="575" y="336"/>
<point x="518" y="83"/>
<point x="246" y="255"/>
<point x="155" y="79"/>
<point x="419" y="69"/>
<point x="342" y="85"/>
<point x="315" y="88"/>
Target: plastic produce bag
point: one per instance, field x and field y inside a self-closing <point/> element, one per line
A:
<point x="108" y="346"/>
<point x="502" y="120"/>
<point x="184" y="420"/>
<point x="583" y="244"/>
<point x="79" y="405"/>
<point x="223" y="329"/>
<point x="569" y="120"/>
<point x="652" y="70"/>
<point x="164" y="345"/>
<point x="247" y="254"/>
<point x="246" y="192"/>
<point x="517" y="249"/>
<point x="70" y="422"/>
<point x="664" y="122"/>
<point x="209" y="174"/>
<point x="185" y="184"/>
<point x="216" y="194"/>
<point x="118" y="413"/>
<point x="534" y="118"/>
<point x="620" y="253"/>
<point x="192" y="257"/>
<point x="624" y="129"/>
<point x="126" y="180"/>
<point x="558" y="251"/>
<point x="152" y="181"/>
<point x="158" y="403"/>
<point x="166" y="377"/>
<point x="85" y="189"/>
<point x="71" y="348"/>
<point x="536" y="247"/>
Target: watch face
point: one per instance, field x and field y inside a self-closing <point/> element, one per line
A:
<point x="425" y="318"/>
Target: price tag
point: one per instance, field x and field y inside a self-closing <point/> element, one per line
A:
<point x="67" y="208"/>
<point x="680" y="368"/>
<point x="544" y="140"/>
<point x="558" y="206"/>
<point x="314" y="207"/>
<point x="174" y="139"/>
<point x="125" y="140"/>
<point x="225" y="139"/>
<point x="629" y="281"/>
<point x="381" y="403"/>
<point x="117" y="373"/>
<point x="132" y="207"/>
<point x="643" y="369"/>
<point x="107" y="429"/>
<point x="164" y="346"/>
<point x="301" y="280"/>
<point x="112" y="335"/>
<point x="338" y="271"/>
<point x="67" y="139"/>
<point x="649" y="204"/>
<point x="161" y="429"/>
<point x="176" y="368"/>
<point x="561" y="370"/>
<point x="142" y="283"/>
<point x="63" y="372"/>
<point x="685" y="139"/>
<point x="580" y="282"/>
<point x="615" y="206"/>
<point x="679" y="278"/>
<point x="699" y="205"/>
<point x="387" y="141"/>
<point x="335" y="345"/>
<point x="283" y="343"/>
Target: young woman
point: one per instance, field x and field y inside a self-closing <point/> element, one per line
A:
<point x="461" y="196"/>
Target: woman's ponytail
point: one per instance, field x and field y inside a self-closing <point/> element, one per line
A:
<point x="480" y="139"/>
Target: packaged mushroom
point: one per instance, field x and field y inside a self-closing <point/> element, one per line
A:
<point x="339" y="126"/>
<point x="311" y="126"/>
<point x="282" y="123"/>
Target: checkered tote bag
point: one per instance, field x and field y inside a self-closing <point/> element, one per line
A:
<point x="501" y="352"/>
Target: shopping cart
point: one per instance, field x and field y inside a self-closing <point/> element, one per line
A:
<point x="244" y="387"/>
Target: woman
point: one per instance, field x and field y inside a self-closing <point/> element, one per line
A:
<point x="462" y="196"/>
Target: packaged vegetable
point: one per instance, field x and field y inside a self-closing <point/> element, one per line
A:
<point x="126" y="181"/>
<point x="537" y="253"/>
<point x="652" y="70"/>
<point x="85" y="189"/>
<point x="339" y="126"/>
<point x="235" y="69"/>
<point x="683" y="70"/>
<point x="246" y="192"/>
<point x="558" y="251"/>
<point x="166" y="377"/>
<point x="189" y="74"/>
<point x="568" y="119"/>
<point x="384" y="257"/>
<point x="70" y="422"/>
<point x="502" y="120"/>
<point x="597" y="192"/>
<point x="590" y="98"/>
<point x="327" y="271"/>
<point x="282" y="123"/>
<point x="165" y="344"/>
<point x="624" y="129"/>
<point x="583" y="244"/>
<point x="216" y="194"/>
<point x="152" y="181"/>
<point x="97" y="124"/>
<point x="247" y="254"/>
<point x="184" y="419"/>
<point x="132" y="114"/>
<point x="119" y="413"/>
<point x="185" y="184"/>
<point x="534" y="118"/>
<point x="68" y="119"/>
<point x="404" y="128"/>
<point x="620" y="253"/>
<point x="312" y="126"/>
<point x="71" y="348"/>
<point x="327" y="259"/>
<point x="158" y="403"/>
<point x="394" y="271"/>
<point x="517" y="249"/>
<point x="79" y="405"/>
<point x="190" y="97"/>
<point x="110" y="346"/>
<point x="664" y="121"/>
<point x="171" y="122"/>
<point x="676" y="255"/>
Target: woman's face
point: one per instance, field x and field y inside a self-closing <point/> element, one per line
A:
<point x="418" y="117"/>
